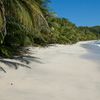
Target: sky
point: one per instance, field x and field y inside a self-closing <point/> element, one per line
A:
<point x="80" y="12"/>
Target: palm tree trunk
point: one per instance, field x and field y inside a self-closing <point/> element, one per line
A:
<point x="3" y="27"/>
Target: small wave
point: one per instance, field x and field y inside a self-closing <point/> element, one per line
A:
<point x="97" y="43"/>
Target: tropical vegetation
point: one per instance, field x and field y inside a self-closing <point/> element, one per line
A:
<point x="30" y="22"/>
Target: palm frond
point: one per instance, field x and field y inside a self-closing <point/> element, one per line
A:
<point x="28" y="14"/>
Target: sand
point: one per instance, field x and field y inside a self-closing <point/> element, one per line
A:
<point x="59" y="72"/>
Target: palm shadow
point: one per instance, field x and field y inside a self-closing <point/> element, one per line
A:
<point x="22" y="61"/>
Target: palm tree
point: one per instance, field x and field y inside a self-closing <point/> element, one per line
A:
<point x="26" y="13"/>
<point x="2" y="22"/>
<point x="20" y="20"/>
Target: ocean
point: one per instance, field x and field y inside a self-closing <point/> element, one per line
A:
<point x="97" y="43"/>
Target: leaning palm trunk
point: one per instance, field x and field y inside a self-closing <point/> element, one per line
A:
<point x="2" y="22"/>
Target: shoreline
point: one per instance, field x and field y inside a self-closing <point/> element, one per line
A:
<point x="93" y="51"/>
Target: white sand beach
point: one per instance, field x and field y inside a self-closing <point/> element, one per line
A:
<point x="60" y="72"/>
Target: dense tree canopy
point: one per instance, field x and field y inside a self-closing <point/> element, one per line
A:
<point x="30" y="22"/>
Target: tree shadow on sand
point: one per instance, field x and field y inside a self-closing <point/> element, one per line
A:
<point x="22" y="61"/>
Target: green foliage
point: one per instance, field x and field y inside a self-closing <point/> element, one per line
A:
<point x="88" y="33"/>
<point x="64" y="31"/>
<point x="17" y="34"/>
<point x="30" y="22"/>
<point x="22" y="20"/>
